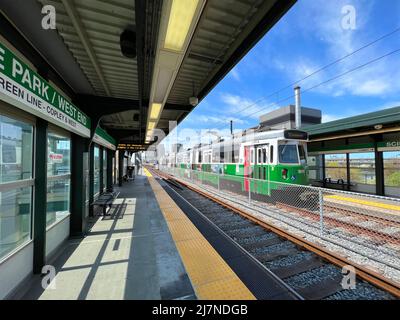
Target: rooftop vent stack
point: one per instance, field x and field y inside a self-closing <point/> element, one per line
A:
<point x="297" y="107"/>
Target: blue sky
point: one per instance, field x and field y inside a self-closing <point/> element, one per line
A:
<point x="308" y="37"/>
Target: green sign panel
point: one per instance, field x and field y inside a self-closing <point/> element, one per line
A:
<point x="389" y="145"/>
<point x="25" y="89"/>
<point x="102" y="138"/>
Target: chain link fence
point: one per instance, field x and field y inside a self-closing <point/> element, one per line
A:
<point x="366" y="224"/>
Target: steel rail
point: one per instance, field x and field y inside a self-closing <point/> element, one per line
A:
<point x="349" y="226"/>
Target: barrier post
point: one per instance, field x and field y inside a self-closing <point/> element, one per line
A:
<point x="249" y="191"/>
<point x="321" y="212"/>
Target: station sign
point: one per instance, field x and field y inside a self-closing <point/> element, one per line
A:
<point x="102" y="138"/>
<point x="389" y="146"/>
<point x="22" y="87"/>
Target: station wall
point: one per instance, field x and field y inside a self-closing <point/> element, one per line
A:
<point x="42" y="174"/>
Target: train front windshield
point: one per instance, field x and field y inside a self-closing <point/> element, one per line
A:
<point x="291" y="153"/>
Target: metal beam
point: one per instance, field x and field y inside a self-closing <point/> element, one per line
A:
<point x="81" y="31"/>
<point x="119" y="134"/>
<point x="178" y="107"/>
<point x="103" y="106"/>
<point x="40" y="197"/>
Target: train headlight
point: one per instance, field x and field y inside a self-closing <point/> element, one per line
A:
<point x="284" y="174"/>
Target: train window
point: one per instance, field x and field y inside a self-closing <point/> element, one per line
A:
<point x="215" y="154"/>
<point x="271" y="155"/>
<point x="236" y="153"/>
<point x="228" y="151"/>
<point x="199" y="157"/>
<point x="288" y="153"/>
<point x="222" y="153"/>
<point x="252" y="155"/>
<point x="208" y="157"/>
<point x="302" y="153"/>
<point x="259" y="156"/>
<point x="264" y="151"/>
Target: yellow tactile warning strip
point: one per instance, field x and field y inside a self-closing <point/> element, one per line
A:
<point x="147" y="173"/>
<point x="367" y="203"/>
<point x="211" y="276"/>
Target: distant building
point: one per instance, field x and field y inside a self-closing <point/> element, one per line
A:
<point x="284" y="118"/>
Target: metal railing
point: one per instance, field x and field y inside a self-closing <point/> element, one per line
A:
<point x="368" y="225"/>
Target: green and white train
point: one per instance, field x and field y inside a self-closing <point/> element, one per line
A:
<point x="259" y="162"/>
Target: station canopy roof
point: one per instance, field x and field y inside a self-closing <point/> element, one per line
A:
<point x="183" y="49"/>
<point x="386" y="120"/>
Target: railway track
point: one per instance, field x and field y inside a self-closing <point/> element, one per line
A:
<point x="354" y="226"/>
<point x="310" y="271"/>
<point x="368" y="227"/>
<point x="369" y="213"/>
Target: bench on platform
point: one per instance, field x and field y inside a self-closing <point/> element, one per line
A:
<point x="104" y="200"/>
<point x="332" y="183"/>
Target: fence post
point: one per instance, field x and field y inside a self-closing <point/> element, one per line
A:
<point x="321" y="212"/>
<point x="249" y="192"/>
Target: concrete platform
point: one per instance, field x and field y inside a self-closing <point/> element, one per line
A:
<point x="128" y="255"/>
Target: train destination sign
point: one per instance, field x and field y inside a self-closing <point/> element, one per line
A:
<point x="296" y="134"/>
<point x="25" y="89"/>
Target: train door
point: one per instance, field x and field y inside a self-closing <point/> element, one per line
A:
<point x="262" y="161"/>
<point x="257" y="168"/>
<point x="247" y="168"/>
<point x="266" y="168"/>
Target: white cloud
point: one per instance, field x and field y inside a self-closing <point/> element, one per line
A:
<point x="325" y="23"/>
<point x="330" y="117"/>
<point x="217" y="120"/>
<point x="235" y="74"/>
<point x="245" y="107"/>
<point x="371" y="87"/>
<point x="390" y="104"/>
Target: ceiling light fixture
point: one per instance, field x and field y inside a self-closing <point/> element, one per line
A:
<point x="180" y="19"/>
<point x="178" y="23"/>
<point x="155" y="111"/>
